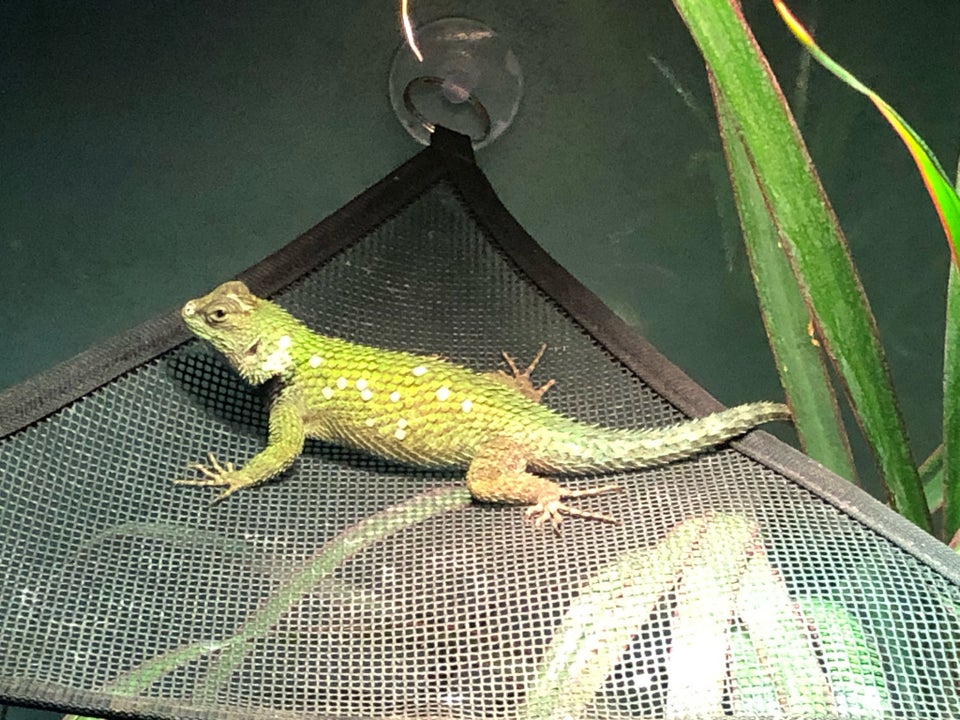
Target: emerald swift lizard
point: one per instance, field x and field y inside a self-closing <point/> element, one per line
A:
<point x="428" y="412"/>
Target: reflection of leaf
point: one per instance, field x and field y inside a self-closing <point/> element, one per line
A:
<point x="318" y="570"/>
<point x="781" y="641"/>
<point x="892" y="627"/>
<point x="710" y="571"/>
<point x="852" y="666"/>
<point x="751" y="692"/>
<point x="706" y="600"/>
<point x="852" y="663"/>
<point x="711" y="162"/>
<point x="613" y="605"/>
<point x="178" y="535"/>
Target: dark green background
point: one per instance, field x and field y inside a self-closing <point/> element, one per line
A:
<point x="150" y="150"/>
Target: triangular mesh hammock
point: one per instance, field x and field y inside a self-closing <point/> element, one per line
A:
<point x="746" y="582"/>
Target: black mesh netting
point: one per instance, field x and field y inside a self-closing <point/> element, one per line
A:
<point x="739" y="584"/>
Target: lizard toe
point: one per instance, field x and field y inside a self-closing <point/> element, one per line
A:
<point x="543" y="511"/>
<point x="554" y="510"/>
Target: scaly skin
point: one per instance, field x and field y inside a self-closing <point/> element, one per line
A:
<point x="427" y="412"/>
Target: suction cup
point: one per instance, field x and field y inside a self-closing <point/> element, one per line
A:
<point x="469" y="81"/>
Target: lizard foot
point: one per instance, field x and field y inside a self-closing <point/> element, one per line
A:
<point x="520" y="380"/>
<point x="216" y="475"/>
<point x="553" y="509"/>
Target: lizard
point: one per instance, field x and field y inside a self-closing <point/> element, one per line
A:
<point x="429" y="412"/>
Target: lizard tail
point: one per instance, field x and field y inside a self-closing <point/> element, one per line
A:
<point x="593" y="449"/>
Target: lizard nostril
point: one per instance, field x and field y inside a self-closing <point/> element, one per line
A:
<point x="189" y="309"/>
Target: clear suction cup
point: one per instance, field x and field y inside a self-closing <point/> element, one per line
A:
<point x="469" y="81"/>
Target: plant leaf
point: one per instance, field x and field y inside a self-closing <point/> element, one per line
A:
<point x="931" y="475"/>
<point x="938" y="184"/>
<point x="811" y="237"/>
<point x="951" y="408"/>
<point x="947" y="204"/>
<point x="799" y="359"/>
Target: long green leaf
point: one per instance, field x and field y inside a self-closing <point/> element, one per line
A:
<point x="938" y="184"/>
<point x="947" y="204"/>
<point x="951" y="409"/>
<point x="799" y="359"/>
<point x="931" y="475"/>
<point x="811" y="238"/>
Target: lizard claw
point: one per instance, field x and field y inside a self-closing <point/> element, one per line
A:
<point x="215" y="475"/>
<point x="553" y="508"/>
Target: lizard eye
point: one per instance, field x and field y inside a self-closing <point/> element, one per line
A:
<point x="217" y="315"/>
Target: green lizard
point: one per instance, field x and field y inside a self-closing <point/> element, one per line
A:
<point x="427" y="411"/>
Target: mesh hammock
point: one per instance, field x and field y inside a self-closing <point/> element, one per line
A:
<point x="746" y="582"/>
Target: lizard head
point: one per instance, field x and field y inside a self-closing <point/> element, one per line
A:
<point x="242" y="327"/>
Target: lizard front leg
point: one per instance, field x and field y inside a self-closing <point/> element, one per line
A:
<point x="285" y="443"/>
<point x="498" y="473"/>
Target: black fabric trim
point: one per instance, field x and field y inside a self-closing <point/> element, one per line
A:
<point x="450" y="157"/>
<point x="677" y="387"/>
<point x="44" y="394"/>
<point x="53" y="389"/>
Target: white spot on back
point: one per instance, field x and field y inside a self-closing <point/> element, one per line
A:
<point x="366" y="394"/>
<point x="400" y="434"/>
<point x="443" y="393"/>
<point x="419" y="370"/>
<point x="284" y="342"/>
<point x="395" y="396"/>
<point x="327" y="392"/>
<point x="316" y="361"/>
<point x="369" y="422"/>
<point x="361" y="384"/>
<point x="401" y="423"/>
<point x="466" y="406"/>
<point x="342" y="383"/>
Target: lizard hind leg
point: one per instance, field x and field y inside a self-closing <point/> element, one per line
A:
<point x="522" y="380"/>
<point x="498" y="473"/>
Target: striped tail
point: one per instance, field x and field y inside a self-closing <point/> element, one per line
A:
<point x="582" y="448"/>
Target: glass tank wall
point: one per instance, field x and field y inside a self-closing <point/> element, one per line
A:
<point x="151" y="150"/>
